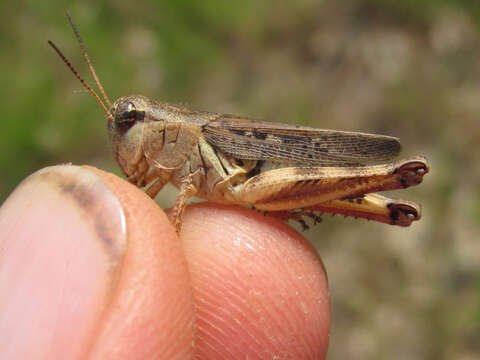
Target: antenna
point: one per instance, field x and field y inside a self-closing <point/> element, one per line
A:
<point x="84" y="51"/>
<point x="77" y="75"/>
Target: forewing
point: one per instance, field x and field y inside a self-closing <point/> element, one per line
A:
<point x="257" y="140"/>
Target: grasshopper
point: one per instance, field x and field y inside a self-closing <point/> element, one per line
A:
<point x="284" y="170"/>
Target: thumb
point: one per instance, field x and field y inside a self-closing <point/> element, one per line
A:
<point x="90" y="266"/>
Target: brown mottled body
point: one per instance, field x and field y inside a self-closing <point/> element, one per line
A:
<point x="288" y="171"/>
<point x="172" y="143"/>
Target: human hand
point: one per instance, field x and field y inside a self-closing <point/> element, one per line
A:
<point x="90" y="267"/>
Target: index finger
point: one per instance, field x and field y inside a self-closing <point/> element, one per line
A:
<point x="260" y="288"/>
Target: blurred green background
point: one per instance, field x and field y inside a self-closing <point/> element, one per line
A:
<point x="404" y="68"/>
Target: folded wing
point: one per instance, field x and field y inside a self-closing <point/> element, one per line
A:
<point x="257" y="140"/>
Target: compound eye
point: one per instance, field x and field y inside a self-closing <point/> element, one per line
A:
<point x="126" y="115"/>
<point x="129" y="107"/>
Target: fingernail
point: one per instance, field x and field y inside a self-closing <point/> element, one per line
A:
<point x="62" y="241"/>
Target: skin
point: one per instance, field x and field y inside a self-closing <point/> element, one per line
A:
<point x="90" y="267"/>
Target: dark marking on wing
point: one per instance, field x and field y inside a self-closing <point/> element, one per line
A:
<point x="238" y="132"/>
<point x="259" y="135"/>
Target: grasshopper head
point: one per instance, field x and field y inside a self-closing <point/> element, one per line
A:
<point x="125" y="127"/>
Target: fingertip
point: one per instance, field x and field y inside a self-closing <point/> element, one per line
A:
<point x="62" y="241"/>
<point x="260" y="287"/>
